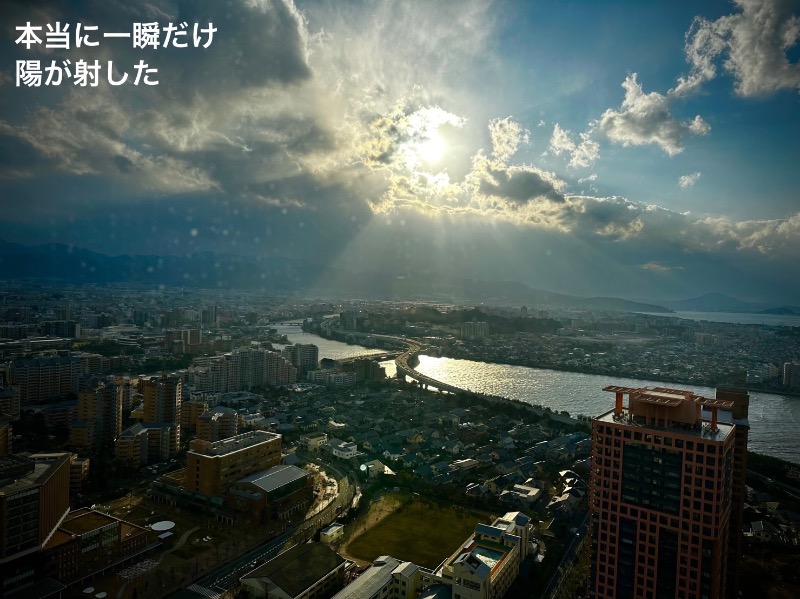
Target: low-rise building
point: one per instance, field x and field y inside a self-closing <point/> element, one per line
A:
<point x="274" y="494"/>
<point x="387" y="577"/>
<point x="313" y="441"/>
<point x="89" y="541"/>
<point x="485" y="566"/>
<point x="331" y="533"/>
<point x="342" y="449"/>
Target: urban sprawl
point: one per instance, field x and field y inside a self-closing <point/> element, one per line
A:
<point x="175" y="442"/>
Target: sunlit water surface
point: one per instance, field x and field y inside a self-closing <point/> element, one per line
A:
<point x="774" y="419"/>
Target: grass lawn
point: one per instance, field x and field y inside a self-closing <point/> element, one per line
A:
<point x="419" y="532"/>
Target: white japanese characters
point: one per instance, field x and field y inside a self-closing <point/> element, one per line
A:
<point x="37" y="73"/>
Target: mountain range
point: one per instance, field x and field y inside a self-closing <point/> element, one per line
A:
<point x="285" y="275"/>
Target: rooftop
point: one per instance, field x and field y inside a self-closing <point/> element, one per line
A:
<point x="332" y="528"/>
<point x="478" y="566"/>
<point x="371" y="581"/>
<point x="702" y="431"/>
<point x="275" y="478"/>
<point x="59" y="537"/>
<point x="238" y="442"/>
<point x="436" y="591"/>
<point x="85" y="520"/>
<point x="669" y="397"/>
<point x="14" y="466"/>
<point x="41" y="471"/>
<point x="299" y="568"/>
<point x="662" y="408"/>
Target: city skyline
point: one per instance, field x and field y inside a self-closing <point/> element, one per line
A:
<point x="582" y="149"/>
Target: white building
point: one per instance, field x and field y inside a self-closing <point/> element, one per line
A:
<point x="791" y="374"/>
<point x="486" y="565"/>
<point x="342" y="449"/>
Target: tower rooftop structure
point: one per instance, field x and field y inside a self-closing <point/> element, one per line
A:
<point x="665" y="408"/>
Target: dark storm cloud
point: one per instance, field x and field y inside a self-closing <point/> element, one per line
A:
<point x="211" y="124"/>
<point x="518" y="186"/>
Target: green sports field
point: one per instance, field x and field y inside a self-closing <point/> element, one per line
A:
<point x="418" y="532"/>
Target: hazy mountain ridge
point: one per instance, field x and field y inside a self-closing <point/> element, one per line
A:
<point x="719" y="302"/>
<point x="781" y="311"/>
<point x="280" y="274"/>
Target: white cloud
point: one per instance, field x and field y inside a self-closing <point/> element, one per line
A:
<point x="754" y="43"/>
<point x="777" y="237"/>
<point x="689" y="180"/>
<point x="645" y="118"/>
<point x="659" y="267"/>
<point x="751" y="44"/>
<point x="506" y="135"/>
<point x="581" y="154"/>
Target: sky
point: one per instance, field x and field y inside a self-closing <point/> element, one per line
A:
<point x="632" y="149"/>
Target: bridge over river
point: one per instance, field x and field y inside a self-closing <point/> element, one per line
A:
<point x="406" y="370"/>
<point x="405" y="361"/>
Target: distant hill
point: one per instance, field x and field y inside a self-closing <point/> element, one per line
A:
<point x="782" y="311"/>
<point x="280" y="275"/>
<point x="714" y="302"/>
<point x="615" y="303"/>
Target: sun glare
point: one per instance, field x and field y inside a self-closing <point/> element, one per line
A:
<point x="426" y="148"/>
<point x="432" y="149"/>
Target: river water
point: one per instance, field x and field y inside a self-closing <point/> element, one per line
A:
<point x="774" y="419"/>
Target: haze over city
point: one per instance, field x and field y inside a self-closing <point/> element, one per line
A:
<point x="641" y="150"/>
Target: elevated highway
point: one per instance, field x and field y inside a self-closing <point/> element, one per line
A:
<point x="380" y="357"/>
<point x="404" y="362"/>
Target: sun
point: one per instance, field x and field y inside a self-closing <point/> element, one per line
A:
<point x="432" y="149"/>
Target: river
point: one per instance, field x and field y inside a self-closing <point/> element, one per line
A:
<point x="774" y="419"/>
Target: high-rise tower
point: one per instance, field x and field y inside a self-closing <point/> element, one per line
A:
<point x="662" y="495"/>
<point x="162" y="404"/>
<point x="304" y="357"/>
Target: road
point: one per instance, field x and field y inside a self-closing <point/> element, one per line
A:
<point x="793" y="491"/>
<point x="218" y="581"/>
<point x="569" y="556"/>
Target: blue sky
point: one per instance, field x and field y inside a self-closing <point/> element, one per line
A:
<point x="644" y="150"/>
